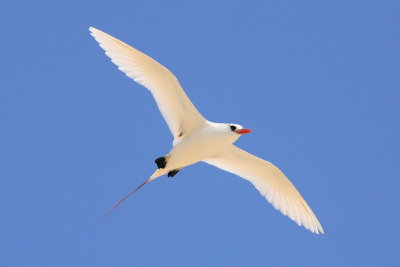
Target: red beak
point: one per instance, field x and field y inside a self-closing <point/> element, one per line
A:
<point x="243" y="131"/>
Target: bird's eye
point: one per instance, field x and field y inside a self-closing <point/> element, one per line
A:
<point x="233" y="127"/>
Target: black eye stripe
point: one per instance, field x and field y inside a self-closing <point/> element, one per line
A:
<point x="233" y="127"/>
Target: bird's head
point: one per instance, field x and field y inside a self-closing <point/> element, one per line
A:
<point x="237" y="129"/>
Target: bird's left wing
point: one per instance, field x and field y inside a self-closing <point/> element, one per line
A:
<point x="271" y="183"/>
<point x="178" y="111"/>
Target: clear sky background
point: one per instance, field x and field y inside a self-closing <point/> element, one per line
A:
<point x="317" y="82"/>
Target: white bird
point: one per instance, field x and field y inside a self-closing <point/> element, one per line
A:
<point x="197" y="139"/>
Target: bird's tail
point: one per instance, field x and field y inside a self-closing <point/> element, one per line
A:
<point x="155" y="175"/>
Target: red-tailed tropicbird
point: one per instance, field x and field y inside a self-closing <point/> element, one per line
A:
<point x="197" y="139"/>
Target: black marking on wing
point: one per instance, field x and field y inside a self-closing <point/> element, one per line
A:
<point x="161" y="162"/>
<point x="173" y="173"/>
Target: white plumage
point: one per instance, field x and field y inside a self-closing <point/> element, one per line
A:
<point x="196" y="139"/>
<point x="177" y="109"/>
<point x="270" y="182"/>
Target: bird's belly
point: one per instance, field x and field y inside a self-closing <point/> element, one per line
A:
<point x="193" y="150"/>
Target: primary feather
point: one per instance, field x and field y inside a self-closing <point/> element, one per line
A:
<point x="178" y="111"/>
<point x="270" y="182"/>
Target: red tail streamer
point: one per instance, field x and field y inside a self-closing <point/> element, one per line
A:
<point x="122" y="200"/>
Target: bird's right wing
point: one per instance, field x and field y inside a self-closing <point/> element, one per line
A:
<point x="271" y="183"/>
<point x="178" y="111"/>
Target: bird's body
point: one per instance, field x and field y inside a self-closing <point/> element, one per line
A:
<point x="199" y="145"/>
<point x="196" y="139"/>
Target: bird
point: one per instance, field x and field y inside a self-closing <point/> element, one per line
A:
<point x="196" y="139"/>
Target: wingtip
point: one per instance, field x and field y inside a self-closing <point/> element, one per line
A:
<point x="318" y="230"/>
<point x="94" y="31"/>
<point x="321" y="231"/>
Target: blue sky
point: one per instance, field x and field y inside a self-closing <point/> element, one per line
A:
<point x="317" y="82"/>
